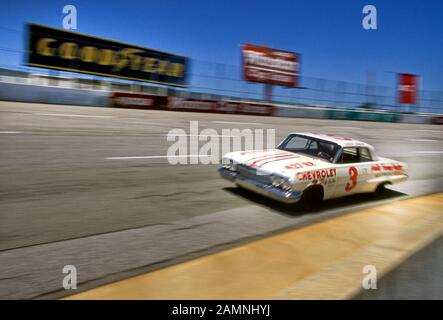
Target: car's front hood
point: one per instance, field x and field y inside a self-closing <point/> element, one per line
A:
<point x="278" y="161"/>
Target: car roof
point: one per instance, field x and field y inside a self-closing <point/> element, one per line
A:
<point x="342" y="141"/>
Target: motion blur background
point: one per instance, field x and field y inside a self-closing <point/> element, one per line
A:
<point x="342" y="64"/>
<point x="91" y="186"/>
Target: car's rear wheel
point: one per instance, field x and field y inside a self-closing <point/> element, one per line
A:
<point x="312" y="198"/>
<point x="381" y="189"/>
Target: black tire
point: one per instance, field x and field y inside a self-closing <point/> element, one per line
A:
<point x="312" y="198"/>
<point x="381" y="190"/>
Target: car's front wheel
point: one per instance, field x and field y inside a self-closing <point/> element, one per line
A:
<point x="312" y="198"/>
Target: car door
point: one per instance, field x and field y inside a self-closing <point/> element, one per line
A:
<point x="353" y="171"/>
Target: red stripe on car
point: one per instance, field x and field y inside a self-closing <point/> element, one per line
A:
<point x="288" y="155"/>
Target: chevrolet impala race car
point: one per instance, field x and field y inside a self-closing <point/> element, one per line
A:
<point x="310" y="167"/>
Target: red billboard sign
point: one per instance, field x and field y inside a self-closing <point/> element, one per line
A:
<point x="266" y="65"/>
<point x="407" y="88"/>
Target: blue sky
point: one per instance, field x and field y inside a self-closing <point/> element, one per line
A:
<point x="328" y="34"/>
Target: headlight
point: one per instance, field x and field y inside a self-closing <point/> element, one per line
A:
<point x="276" y="181"/>
<point x="230" y="166"/>
<point x="281" y="183"/>
<point x="286" y="186"/>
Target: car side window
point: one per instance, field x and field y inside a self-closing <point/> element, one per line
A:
<point x="355" y="155"/>
<point x="350" y="155"/>
<point x="365" y="155"/>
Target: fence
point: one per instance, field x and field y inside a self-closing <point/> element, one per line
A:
<point x="227" y="80"/>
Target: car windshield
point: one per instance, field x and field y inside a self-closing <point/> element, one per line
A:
<point x="310" y="146"/>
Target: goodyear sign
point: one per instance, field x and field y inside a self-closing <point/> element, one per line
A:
<point x="70" y="51"/>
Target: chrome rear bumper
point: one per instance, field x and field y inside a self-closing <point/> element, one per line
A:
<point x="260" y="187"/>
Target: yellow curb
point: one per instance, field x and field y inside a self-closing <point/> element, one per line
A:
<point x="320" y="261"/>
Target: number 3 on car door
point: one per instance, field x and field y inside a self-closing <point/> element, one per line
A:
<point x="353" y="174"/>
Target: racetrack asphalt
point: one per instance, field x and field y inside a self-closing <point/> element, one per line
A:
<point x="70" y="194"/>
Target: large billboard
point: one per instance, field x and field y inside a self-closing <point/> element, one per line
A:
<point x="407" y="88"/>
<point x="271" y="66"/>
<point x="71" y="51"/>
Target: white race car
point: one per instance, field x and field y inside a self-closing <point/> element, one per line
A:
<point x="310" y="168"/>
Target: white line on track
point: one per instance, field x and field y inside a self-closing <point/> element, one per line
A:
<point x="345" y="128"/>
<point x="435" y="131"/>
<point x="233" y="122"/>
<point x="430" y="152"/>
<point x="10" y="132"/>
<point x="71" y="115"/>
<point x="422" y="140"/>
<point x="155" y="157"/>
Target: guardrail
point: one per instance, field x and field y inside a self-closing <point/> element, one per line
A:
<point x="175" y="101"/>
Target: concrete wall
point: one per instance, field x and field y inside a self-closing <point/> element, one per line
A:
<point x="86" y="97"/>
<point x="52" y="95"/>
<point x="415" y="118"/>
<point x="355" y="115"/>
<point x="299" y="112"/>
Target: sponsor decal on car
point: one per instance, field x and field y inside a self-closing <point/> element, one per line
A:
<point x="387" y="169"/>
<point x="317" y="174"/>
<point x="299" y="165"/>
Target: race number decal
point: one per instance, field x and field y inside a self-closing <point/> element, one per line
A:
<point x="353" y="174"/>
